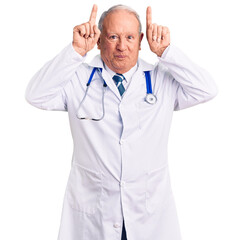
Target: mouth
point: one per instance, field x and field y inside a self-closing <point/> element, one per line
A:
<point x="120" y="56"/>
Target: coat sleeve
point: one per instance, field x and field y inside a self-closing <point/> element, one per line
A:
<point x="46" y="88"/>
<point x="192" y="84"/>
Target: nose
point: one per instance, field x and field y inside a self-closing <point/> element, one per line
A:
<point x="121" y="44"/>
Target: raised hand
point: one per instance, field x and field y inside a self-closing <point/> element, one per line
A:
<point x="158" y="36"/>
<point x="86" y="35"/>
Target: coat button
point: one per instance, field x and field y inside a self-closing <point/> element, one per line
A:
<point x="122" y="184"/>
<point x="116" y="225"/>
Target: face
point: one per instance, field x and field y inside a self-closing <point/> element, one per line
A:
<point x="120" y="41"/>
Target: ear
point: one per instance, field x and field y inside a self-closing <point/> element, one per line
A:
<point x="140" y="40"/>
<point x="98" y="44"/>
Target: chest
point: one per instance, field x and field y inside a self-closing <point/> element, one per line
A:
<point x="122" y="115"/>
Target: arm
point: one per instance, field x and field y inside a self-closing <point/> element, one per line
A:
<point x="46" y="88"/>
<point x="192" y="84"/>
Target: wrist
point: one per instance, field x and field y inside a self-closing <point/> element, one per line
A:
<point x="80" y="51"/>
<point x="161" y="51"/>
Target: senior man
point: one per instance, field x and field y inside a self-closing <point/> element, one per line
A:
<point x="120" y="110"/>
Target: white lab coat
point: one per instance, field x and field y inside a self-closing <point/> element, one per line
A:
<point x="119" y="165"/>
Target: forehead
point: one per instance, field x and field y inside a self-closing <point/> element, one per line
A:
<point x="121" y="21"/>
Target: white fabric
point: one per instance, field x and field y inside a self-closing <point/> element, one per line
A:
<point x="119" y="165"/>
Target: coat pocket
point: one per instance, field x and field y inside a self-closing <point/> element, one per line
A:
<point x="84" y="189"/>
<point x="158" y="189"/>
<point x="147" y="113"/>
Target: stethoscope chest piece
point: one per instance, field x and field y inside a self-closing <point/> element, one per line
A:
<point x="150" y="98"/>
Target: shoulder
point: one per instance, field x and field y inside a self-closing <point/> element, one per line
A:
<point x="157" y="67"/>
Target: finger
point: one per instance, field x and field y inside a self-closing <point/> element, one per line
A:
<point x="93" y="14"/>
<point x="149" y="16"/>
<point x="159" y="33"/>
<point x="92" y="33"/>
<point x="96" y="33"/>
<point x="149" y="33"/>
<point x="87" y="30"/>
<point x="154" y="34"/>
<point x="166" y="35"/>
<point x="80" y="29"/>
<point x="165" y="31"/>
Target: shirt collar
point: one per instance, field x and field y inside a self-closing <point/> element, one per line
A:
<point x="127" y="75"/>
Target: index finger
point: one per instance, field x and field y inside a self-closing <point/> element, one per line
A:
<point x="149" y="16"/>
<point x="93" y="14"/>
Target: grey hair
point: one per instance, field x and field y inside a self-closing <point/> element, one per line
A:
<point x="119" y="7"/>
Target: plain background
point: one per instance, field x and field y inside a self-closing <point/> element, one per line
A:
<point x="205" y="146"/>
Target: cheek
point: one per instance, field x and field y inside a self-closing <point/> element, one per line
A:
<point x="135" y="49"/>
<point x="107" y="49"/>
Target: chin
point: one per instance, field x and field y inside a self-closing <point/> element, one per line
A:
<point x="120" y="65"/>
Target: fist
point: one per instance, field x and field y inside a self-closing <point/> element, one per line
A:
<point x="158" y="36"/>
<point x="86" y="35"/>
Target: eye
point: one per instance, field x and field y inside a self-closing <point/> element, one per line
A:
<point x="130" y="37"/>
<point x="113" y="37"/>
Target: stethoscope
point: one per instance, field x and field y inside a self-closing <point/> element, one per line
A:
<point x="150" y="97"/>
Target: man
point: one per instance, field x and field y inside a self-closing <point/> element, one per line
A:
<point x="119" y="183"/>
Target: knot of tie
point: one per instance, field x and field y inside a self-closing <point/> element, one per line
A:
<point x="118" y="78"/>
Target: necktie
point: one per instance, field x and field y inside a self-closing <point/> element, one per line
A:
<point x="118" y="78"/>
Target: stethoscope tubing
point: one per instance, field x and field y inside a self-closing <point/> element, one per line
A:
<point x="150" y="97"/>
<point x="148" y="82"/>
